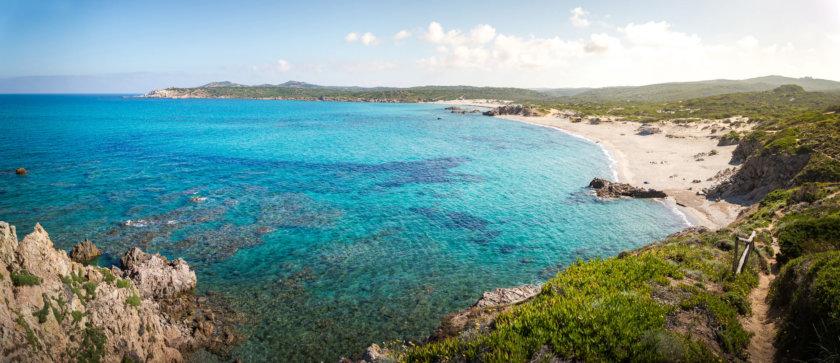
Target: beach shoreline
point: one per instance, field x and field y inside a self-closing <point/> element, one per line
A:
<point x="679" y="161"/>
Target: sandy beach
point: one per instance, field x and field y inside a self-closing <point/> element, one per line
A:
<point x="681" y="160"/>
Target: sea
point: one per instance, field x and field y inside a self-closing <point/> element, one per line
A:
<point x="328" y="225"/>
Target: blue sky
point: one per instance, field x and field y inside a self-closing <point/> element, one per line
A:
<point x="135" y="46"/>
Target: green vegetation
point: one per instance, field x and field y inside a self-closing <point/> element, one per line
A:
<point x="108" y="276"/>
<point x="778" y="104"/>
<point x="809" y="235"/>
<point x="619" y="310"/>
<point x="31" y="338"/>
<point x="133" y="300"/>
<point x="808" y="292"/>
<point x="123" y="283"/>
<point x="78" y="282"/>
<point x="77" y="316"/>
<point x="43" y="314"/>
<point x="92" y="348"/>
<point x="24" y="278"/>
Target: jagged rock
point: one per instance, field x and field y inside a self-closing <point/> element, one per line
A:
<point x="155" y="276"/>
<point x="137" y="331"/>
<point x="607" y="189"/>
<point x="8" y="242"/>
<point x="21" y="171"/>
<point x="513" y="295"/>
<point x="84" y="252"/>
<point x="514" y="110"/>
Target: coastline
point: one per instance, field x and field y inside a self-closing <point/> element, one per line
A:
<point x="676" y="161"/>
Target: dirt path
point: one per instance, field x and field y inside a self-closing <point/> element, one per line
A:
<point x="762" y="323"/>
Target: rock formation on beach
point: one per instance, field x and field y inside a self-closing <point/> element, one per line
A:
<point x="84" y="252"/>
<point x="55" y="309"/>
<point x="514" y="110"/>
<point x="607" y="189"/>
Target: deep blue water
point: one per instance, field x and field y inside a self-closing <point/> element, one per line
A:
<point x="330" y="225"/>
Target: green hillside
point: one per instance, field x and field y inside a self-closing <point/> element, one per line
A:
<point x="686" y="90"/>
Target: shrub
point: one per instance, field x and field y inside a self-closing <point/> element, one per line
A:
<point x="809" y="235"/>
<point x="123" y="283"/>
<point x="24" y="278"/>
<point x="807" y="292"/>
<point x="133" y="300"/>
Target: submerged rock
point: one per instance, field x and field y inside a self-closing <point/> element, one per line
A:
<point x="607" y="189"/>
<point x="84" y="252"/>
<point x="21" y="171"/>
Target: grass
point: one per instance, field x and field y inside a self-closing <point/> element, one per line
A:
<point x="123" y="283"/>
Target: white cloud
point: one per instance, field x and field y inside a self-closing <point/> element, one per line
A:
<point x="435" y="34"/>
<point x="578" y="17"/>
<point x="482" y="34"/>
<point x="602" y="43"/>
<point x="351" y="37"/>
<point x="402" y="34"/>
<point x="658" y="35"/>
<point x="369" y="39"/>
<point x="748" y="41"/>
<point x="277" y="67"/>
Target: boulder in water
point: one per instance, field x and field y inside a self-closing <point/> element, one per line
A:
<point x="84" y="252"/>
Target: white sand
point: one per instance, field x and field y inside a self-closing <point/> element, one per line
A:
<point x="667" y="161"/>
<point x="473" y="103"/>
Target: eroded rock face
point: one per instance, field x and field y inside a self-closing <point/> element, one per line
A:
<point x="607" y="189"/>
<point x="84" y="252"/>
<point x="53" y="306"/>
<point x="155" y="276"/>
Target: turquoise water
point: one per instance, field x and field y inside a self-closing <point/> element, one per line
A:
<point x="331" y="225"/>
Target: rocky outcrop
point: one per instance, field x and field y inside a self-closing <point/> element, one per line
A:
<point x="8" y="243"/>
<point x="84" y="252"/>
<point x="21" y="171"/>
<point x="155" y="276"/>
<point x="648" y="130"/>
<point x="514" y="110"/>
<point x="513" y="295"/>
<point x="55" y="309"/>
<point x="607" y="189"/>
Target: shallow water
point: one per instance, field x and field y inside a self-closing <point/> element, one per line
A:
<point x="331" y="225"/>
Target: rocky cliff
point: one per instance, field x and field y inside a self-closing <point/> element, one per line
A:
<point x="55" y="309"/>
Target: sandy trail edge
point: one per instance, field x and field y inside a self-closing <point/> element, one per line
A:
<point x="667" y="161"/>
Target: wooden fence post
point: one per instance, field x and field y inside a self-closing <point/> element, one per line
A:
<point x="737" y="257"/>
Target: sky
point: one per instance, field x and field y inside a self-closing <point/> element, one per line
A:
<point x="66" y="46"/>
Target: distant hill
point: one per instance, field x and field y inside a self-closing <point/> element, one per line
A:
<point x="573" y="97"/>
<point x="223" y="84"/>
<point x="781" y="102"/>
<point x="687" y="90"/>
